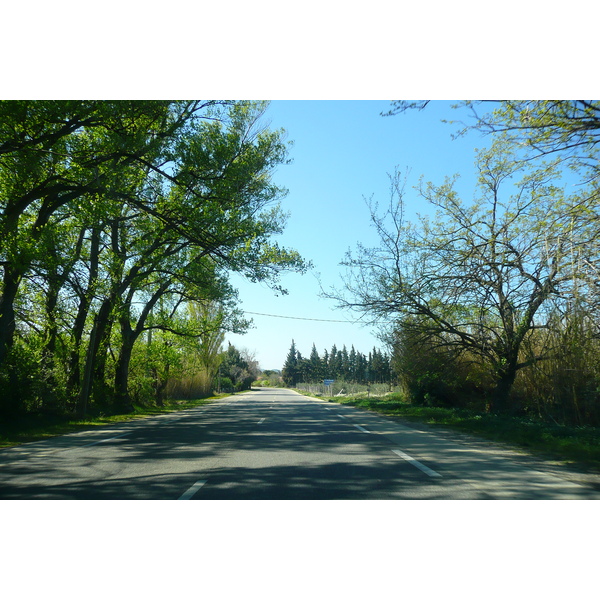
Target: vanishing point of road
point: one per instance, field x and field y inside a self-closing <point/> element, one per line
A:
<point x="275" y="444"/>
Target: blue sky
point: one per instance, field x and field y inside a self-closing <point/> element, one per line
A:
<point x="342" y="153"/>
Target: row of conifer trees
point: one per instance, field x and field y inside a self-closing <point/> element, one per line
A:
<point x="351" y="366"/>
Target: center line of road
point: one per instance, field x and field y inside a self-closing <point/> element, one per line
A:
<point x="107" y="440"/>
<point x="362" y="429"/>
<point x="189" y="493"/>
<point x="416" y="463"/>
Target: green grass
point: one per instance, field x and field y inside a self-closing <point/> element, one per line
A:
<point x="578" y="447"/>
<point x="31" y="428"/>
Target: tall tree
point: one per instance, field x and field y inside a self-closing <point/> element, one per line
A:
<point x="316" y="370"/>
<point x="240" y="367"/>
<point x="290" y="371"/>
<point x="353" y="365"/>
<point x="344" y="364"/>
<point x="325" y="363"/>
<point x="335" y="363"/>
<point x="480" y="275"/>
<point x="152" y="191"/>
<point x="56" y="153"/>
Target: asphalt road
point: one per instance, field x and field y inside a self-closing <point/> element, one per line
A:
<point x="276" y="445"/>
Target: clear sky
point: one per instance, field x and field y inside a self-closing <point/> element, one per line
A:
<point x="342" y="153"/>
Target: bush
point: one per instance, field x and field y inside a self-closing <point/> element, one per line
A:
<point x="435" y="376"/>
<point x="28" y="384"/>
<point x="225" y="384"/>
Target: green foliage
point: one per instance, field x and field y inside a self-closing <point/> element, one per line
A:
<point x="269" y="378"/>
<point x="433" y="374"/>
<point x="350" y="367"/>
<point x="571" y="127"/>
<point x="239" y="368"/>
<point x="481" y="278"/>
<point x="115" y="216"/>
<point x="290" y="372"/>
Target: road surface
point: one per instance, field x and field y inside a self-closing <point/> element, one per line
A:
<point x="274" y="444"/>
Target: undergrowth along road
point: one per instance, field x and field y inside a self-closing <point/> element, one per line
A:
<point x="32" y="428"/>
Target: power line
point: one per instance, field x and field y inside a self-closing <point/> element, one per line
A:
<point x="300" y="318"/>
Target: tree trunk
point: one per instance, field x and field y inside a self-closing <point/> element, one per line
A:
<point x="500" y="401"/>
<point x="160" y="386"/>
<point x="129" y="336"/>
<point x="10" y="400"/>
<point x="96" y="357"/>
<point x="74" y="368"/>
<point x="84" y="392"/>
<point x="49" y="360"/>
<point x="10" y="287"/>
<point x="122" y="398"/>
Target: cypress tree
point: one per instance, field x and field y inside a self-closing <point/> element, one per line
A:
<point x="290" y="368"/>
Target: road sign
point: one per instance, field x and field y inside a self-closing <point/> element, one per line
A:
<point x="328" y="381"/>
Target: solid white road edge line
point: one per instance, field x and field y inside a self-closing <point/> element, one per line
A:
<point x="189" y="493"/>
<point x="362" y="429"/>
<point x="416" y="463"/>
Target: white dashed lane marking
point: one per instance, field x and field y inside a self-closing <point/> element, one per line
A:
<point x="415" y="463"/>
<point x="362" y="429"/>
<point x="106" y="440"/>
<point x="192" y="490"/>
